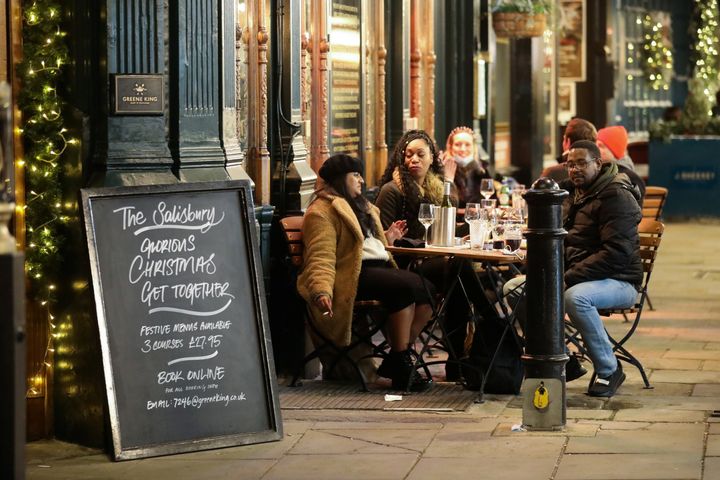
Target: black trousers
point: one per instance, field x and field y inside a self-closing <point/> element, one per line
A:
<point x="394" y="288"/>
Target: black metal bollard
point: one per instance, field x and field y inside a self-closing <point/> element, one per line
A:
<point x="544" y="405"/>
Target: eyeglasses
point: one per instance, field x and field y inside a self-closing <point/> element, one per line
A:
<point x="579" y="165"/>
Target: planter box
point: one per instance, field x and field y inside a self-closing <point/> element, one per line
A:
<point x="688" y="167"/>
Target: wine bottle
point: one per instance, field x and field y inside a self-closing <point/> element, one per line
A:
<point x="446" y="196"/>
<point x="504" y="195"/>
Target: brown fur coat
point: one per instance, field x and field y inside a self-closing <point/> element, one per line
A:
<point x="333" y="244"/>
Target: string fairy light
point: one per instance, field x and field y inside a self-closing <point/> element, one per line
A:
<point x="705" y="48"/>
<point x="657" y="59"/>
<point x="45" y="140"/>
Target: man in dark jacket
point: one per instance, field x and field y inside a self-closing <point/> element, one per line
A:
<point x="602" y="261"/>
<point x="576" y="129"/>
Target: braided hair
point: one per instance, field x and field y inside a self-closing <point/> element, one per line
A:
<point x="411" y="192"/>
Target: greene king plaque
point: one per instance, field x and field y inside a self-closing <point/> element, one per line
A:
<point x="138" y="95"/>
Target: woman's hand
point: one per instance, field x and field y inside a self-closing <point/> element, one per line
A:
<point x="449" y="166"/>
<point x="396" y="231"/>
<point x="324" y="303"/>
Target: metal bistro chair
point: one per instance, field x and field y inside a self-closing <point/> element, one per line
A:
<point x="369" y="319"/>
<point x="650" y="232"/>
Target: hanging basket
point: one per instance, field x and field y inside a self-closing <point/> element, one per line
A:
<point x="518" y="25"/>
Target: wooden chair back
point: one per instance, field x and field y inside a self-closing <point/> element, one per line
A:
<point x="650" y="232"/>
<point x="292" y="230"/>
<point x="654" y="202"/>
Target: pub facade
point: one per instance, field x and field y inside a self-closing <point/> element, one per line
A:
<point x="165" y="92"/>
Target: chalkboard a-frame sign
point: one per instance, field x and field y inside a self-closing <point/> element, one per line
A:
<point x="182" y="317"/>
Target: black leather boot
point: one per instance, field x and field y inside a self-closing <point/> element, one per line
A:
<point x="401" y="369"/>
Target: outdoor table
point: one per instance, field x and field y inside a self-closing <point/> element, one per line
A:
<point x="490" y="260"/>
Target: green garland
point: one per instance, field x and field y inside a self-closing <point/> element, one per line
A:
<point x="657" y="60"/>
<point x="44" y="140"/>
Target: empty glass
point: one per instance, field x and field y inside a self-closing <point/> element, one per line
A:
<point x="477" y="219"/>
<point x="472" y="212"/>
<point x="426" y="216"/>
<point x="518" y="201"/>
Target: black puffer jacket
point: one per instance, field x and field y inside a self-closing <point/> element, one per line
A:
<point x="602" y="240"/>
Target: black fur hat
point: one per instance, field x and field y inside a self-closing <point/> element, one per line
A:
<point x="337" y="165"/>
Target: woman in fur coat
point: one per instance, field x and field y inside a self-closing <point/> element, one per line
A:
<point x="345" y="260"/>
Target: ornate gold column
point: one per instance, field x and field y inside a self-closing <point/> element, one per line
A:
<point x="319" y="48"/>
<point x="381" y="148"/>
<point x="304" y="96"/>
<point x="415" y="59"/>
<point x="427" y="120"/>
<point x="369" y="123"/>
<point x="256" y="37"/>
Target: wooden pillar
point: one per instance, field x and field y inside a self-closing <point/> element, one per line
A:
<point x="319" y="58"/>
<point x="427" y="120"/>
<point x="423" y="37"/>
<point x="258" y="154"/>
<point x="415" y="59"/>
<point x="381" y="148"/>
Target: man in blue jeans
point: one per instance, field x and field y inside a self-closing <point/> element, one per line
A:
<point x="602" y="260"/>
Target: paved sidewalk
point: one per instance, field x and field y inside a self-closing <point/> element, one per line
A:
<point x="664" y="433"/>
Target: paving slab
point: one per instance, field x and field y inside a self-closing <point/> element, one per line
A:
<point x="656" y="438"/>
<point x="712" y="468"/>
<point x="685" y="376"/>
<point x="661" y="363"/>
<point x="572" y="429"/>
<point x="494" y="466"/>
<point x="713" y="444"/>
<point x="176" y="468"/>
<point x="629" y="467"/>
<point x="660" y="415"/>
<point x="456" y="445"/>
<point x="349" y="467"/>
<point x="700" y="354"/>
<point x="364" y="441"/>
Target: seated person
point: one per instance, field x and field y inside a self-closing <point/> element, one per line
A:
<point x="576" y="129"/>
<point x="345" y="260"/>
<point x="414" y="175"/>
<point x="612" y="142"/>
<point x="602" y="259"/>
<point x="462" y="167"/>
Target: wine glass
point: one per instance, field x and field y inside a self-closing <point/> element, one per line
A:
<point x="487" y="187"/>
<point x="426" y="216"/>
<point x="472" y="213"/>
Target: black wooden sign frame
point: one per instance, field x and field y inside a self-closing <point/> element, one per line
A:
<point x="169" y="410"/>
